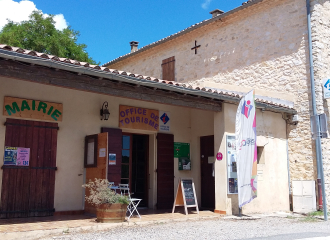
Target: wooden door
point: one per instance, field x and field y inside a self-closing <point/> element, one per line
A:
<point x="114" y="146"/>
<point x="207" y="178"/>
<point x="100" y="168"/>
<point x="165" y="171"/>
<point x="29" y="191"/>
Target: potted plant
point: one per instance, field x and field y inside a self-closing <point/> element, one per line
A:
<point x="110" y="206"/>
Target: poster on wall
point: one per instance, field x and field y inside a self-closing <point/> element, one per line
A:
<point x="231" y="164"/>
<point x="23" y="157"/>
<point x="17" y="156"/>
<point x="112" y="159"/>
<point x="164" y="121"/>
<point x="102" y="152"/>
<point x="10" y="156"/>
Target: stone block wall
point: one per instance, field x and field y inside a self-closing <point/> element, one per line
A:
<point x="320" y="22"/>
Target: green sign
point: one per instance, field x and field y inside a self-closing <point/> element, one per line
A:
<point x="181" y="150"/>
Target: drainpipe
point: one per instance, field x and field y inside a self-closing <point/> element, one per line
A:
<point x="288" y="165"/>
<point x="320" y="175"/>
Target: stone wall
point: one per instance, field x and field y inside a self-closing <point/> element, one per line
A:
<point x="320" y="21"/>
<point x="263" y="47"/>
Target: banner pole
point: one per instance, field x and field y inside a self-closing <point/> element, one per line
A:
<point x="239" y="212"/>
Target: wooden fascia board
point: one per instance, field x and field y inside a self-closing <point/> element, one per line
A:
<point x="62" y="78"/>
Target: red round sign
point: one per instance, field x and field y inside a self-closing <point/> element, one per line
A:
<point x="219" y="156"/>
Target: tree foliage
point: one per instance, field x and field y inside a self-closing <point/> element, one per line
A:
<point x="39" y="34"/>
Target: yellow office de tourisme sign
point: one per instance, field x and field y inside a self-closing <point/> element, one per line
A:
<point x="138" y="118"/>
<point x="34" y="109"/>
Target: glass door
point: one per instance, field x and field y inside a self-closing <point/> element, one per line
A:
<point x="139" y="168"/>
<point x="126" y="159"/>
<point x="134" y="165"/>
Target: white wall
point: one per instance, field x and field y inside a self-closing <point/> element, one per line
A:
<point x="272" y="176"/>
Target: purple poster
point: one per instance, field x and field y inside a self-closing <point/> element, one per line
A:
<point x="23" y="156"/>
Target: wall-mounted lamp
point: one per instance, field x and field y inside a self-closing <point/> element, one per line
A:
<point x="104" y="112"/>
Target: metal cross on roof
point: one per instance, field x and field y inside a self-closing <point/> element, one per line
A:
<point x="195" y="47"/>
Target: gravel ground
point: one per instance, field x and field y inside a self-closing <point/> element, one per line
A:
<point x="267" y="227"/>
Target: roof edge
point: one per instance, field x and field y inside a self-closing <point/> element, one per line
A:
<point x="205" y="92"/>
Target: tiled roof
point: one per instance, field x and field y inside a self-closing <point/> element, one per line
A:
<point x="231" y="95"/>
<point x="184" y="31"/>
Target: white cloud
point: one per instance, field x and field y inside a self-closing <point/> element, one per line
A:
<point x="206" y="4"/>
<point x="20" y="11"/>
<point x="60" y="22"/>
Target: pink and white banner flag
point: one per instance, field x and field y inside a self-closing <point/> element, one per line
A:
<point x="246" y="142"/>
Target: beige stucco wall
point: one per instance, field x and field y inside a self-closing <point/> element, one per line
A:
<point x="202" y="124"/>
<point x="265" y="48"/>
<point x="81" y="118"/>
<point x="273" y="174"/>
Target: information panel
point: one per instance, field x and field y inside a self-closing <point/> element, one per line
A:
<point x="186" y="195"/>
<point x="231" y="164"/>
<point x="184" y="163"/>
<point x="181" y="150"/>
<point x="188" y="192"/>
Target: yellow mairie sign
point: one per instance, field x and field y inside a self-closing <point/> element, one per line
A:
<point x="34" y="109"/>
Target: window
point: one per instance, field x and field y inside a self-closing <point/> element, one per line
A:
<point x="261" y="155"/>
<point x="90" y="151"/>
<point x="168" y="69"/>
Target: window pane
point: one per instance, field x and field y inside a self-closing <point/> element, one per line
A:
<point x="124" y="181"/>
<point x="261" y="158"/>
<point x="126" y="142"/>
<point x="90" y="152"/>
<point x="125" y="156"/>
<point x="124" y="171"/>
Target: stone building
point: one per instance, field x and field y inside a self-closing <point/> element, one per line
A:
<point x="157" y="133"/>
<point x="189" y="85"/>
<point x="261" y="45"/>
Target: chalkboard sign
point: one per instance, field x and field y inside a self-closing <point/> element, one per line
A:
<point x="186" y="195"/>
<point x="188" y="192"/>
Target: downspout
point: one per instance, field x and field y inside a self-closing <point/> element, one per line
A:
<point x="320" y="175"/>
<point x="288" y="164"/>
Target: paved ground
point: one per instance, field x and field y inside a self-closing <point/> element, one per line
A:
<point x="39" y="227"/>
<point x="156" y="225"/>
<point x="266" y="227"/>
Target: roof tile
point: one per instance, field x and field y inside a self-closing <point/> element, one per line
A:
<point x="137" y="76"/>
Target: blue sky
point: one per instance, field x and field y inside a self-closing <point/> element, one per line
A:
<point x="107" y="26"/>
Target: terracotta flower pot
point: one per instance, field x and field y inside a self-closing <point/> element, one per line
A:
<point x="107" y="213"/>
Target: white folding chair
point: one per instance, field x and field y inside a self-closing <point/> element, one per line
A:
<point x="133" y="202"/>
<point x="124" y="189"/>
<point x="112" y="186"/>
